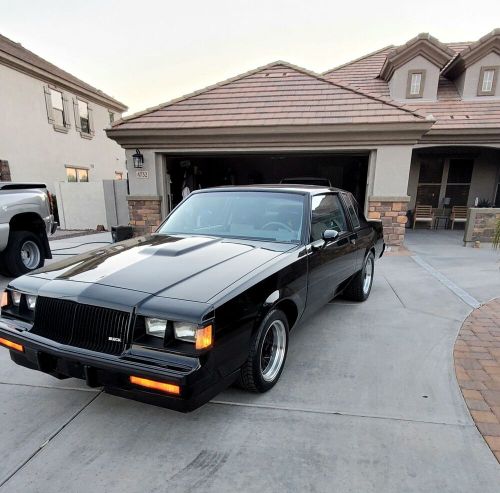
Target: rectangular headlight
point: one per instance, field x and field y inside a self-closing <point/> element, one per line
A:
<point x="156" y="327"/>
<point x="185" y="331"/>
<point x="31" y="301"/>
<point x="16" y="297"/>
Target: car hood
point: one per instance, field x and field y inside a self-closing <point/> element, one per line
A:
<point x="193" y="268"/>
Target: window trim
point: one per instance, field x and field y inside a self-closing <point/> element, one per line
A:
<point x="484" y="69"/>
<point x="420" y="94"/>
<point x="47" y="89"/>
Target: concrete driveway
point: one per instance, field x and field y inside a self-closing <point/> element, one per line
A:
<point x="368" y="402"/>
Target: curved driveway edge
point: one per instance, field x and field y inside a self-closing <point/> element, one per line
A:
<point x="477" y="365"/>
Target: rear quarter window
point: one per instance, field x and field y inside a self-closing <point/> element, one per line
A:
<point x="352" y="210"/>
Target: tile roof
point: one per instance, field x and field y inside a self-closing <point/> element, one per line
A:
<point x="17" y="51"/>
<point x="450" y="111"/>
<point x="276" y="94"/>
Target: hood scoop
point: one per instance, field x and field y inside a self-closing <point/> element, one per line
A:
<point x="180" y="247"/>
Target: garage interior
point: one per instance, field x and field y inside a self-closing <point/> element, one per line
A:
<point x="346" y="171"/>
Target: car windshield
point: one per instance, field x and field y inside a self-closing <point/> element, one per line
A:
<point x="267" y="216"/>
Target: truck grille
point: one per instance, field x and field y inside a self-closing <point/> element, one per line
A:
<point x="84" y="326"/>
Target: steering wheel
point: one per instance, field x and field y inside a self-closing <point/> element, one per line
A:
<point x="276" y="223"/>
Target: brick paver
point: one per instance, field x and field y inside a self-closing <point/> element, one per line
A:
<point x="477" y="365"/>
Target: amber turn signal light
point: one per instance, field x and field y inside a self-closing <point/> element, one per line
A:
<point x="11" y="345"/>
<point x="5" y="299"/>
<point x="169" y="388"/>
<point x="204" y="337"/>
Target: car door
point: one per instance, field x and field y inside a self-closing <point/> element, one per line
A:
<point x="329" y="264"/>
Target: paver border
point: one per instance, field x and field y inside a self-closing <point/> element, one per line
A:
<point x="477" y="367"/>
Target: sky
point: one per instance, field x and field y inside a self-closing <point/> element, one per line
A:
<point x="147" y="52"/>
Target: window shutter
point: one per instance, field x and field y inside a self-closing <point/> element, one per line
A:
<point x="48" y="104"/>
<point x="91" y="120"/>
<point x="77" y="115"/>
<point x="66" y="108"/>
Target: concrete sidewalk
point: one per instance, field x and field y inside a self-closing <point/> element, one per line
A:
<point x="368" y="402"/>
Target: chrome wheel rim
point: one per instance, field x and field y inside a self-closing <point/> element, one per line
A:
<point x="272" y="351"/>
<point x="30" y="254"/>
<point x="367" y="281"/>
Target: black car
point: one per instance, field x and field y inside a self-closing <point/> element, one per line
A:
<point x="209" y="299"/>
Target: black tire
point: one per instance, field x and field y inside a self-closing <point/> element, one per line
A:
<point x="12" y="262"/>
<point x="252" y="376"/>
<point x="356" y="290"/>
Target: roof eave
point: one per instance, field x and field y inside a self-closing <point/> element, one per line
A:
<point x="26" y="68"/>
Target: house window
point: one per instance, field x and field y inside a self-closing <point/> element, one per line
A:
<point x="77" y="174"/>
<point x="83" y="110"/>
<point x="57" y="109"/>
<point x="459" y="178"/>
<point x="487" y="81"/>
<point x="429" y="182"/>
<point x="111" y="117"/>
<point x="415" y="86"/>
<point x="56" y="99"/>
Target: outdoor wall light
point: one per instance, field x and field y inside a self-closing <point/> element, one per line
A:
<point x="138" y="159"/>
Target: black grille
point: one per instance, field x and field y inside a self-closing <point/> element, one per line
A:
<point x="84" y="326"/>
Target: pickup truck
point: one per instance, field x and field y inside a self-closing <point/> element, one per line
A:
<point x="26" y="220"/>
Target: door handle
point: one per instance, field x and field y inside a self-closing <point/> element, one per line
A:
<point x="352" y="240"/>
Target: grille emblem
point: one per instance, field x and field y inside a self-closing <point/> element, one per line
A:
<point x="114" y="339"/>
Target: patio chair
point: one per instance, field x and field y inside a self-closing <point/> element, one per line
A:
<point x="458" y="215"/>
<point x="423" y="214"/>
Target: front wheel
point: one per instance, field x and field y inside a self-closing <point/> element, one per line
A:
<point x="361" y="284"/>
<point x="268" y="350"/>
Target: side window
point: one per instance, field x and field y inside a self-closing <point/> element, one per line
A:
<point x="352" y="208"/>
<point x="327" y="213"/>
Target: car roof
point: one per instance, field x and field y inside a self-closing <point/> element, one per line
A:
<point x="274" y="187"/>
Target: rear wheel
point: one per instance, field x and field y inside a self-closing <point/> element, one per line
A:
<point x="361" y="284"/>
<point x="24" y="253"/>
<point x="267" y="355"/>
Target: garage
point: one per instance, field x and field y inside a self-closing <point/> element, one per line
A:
<point x="347" y="171"/>
<point x="277" y="121"/>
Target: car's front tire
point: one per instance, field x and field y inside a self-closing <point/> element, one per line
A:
<point x="361" y="284"/>
<point x="267" y="355"/>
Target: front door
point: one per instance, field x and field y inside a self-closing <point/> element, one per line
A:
<point x="331" y="264"/>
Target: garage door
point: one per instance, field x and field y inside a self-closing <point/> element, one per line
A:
<point x="346" y="171"/>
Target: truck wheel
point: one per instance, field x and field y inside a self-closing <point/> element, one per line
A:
<point x="23" y="254"/>
<point x="268" y="349"/>
<point x="361" y="284"/>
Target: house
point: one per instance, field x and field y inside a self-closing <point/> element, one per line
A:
<point x="52" y="131"/>
<point x="413" y="124"/>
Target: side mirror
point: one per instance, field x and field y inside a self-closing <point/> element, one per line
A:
<point x="330" y="235"/>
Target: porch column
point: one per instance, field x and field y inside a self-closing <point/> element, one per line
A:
<point x="145" y="199"/>
<point x="388" y="190"/>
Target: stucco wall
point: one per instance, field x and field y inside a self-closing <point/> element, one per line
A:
<point x="80" y="205"/>
<point x="399" y="80"/>
<point x="392" y="168"/>
<point x="35" y="151"/>
<point x="467" y="82"/>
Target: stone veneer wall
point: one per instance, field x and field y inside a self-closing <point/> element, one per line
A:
<point x="4" y="171"/>
<point x="145" y="213"/>
<point x="481" y="224"/>
<point x="392" y="212"/>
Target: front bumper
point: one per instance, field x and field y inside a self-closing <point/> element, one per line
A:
<point x="197" y="378"/>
